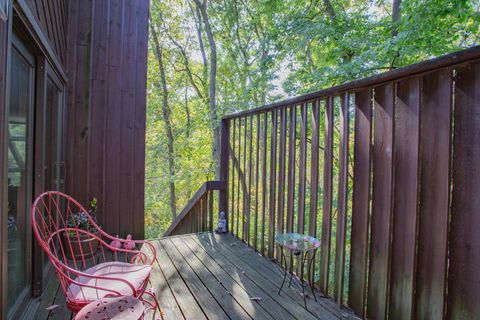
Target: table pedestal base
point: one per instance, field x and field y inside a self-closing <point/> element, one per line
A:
<point x="303" y="257"/>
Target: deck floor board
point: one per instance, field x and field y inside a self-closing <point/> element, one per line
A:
<point x="208" y="276"/>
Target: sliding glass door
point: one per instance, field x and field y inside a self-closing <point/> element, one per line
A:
<point x="20" y="132"/>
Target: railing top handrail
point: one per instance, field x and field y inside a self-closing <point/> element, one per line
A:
<point x="375" y="80"/>
<point x="207" y="186"/>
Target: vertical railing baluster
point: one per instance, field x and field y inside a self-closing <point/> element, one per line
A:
<point x="281" y="173"/>
<point x="205" y="211"/>
<point x="342" y="199"/>
<point x="224" y="159"/>
<point x="361" y="196"/>
<point x="380" y="228"/>
<point x="312" y="227"/>
<point x="211" y="195"/>
<point x="463" y="291"/>
<point x="302" y="169"/>
<point x="249" y="192"/>
<point x="435" y="152"/>
<point x="257" y="162"/>
<point x="405" y="206"/>
<point x="239" y="160"/>
<point x="231" y="218"/>
<point x="327" y="197"/>
<point x="273" y="183"/>
<point x="292" y="131"/>
<point x="244" y="181"/>
<point x="264" y="179"/>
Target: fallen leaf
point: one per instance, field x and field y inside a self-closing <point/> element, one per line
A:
<point x="256" y="298"/>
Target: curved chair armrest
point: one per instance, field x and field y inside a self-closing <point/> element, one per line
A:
<point x="148" y="252"/>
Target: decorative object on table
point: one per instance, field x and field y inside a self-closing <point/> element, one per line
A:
<point x="302" y="247"/>
<point x="222" y="223"/>
<point x="129" y="243"/>
<point x="116" y="243"/>
<point x="93" y="277"/>
<point x="4" y="8"/>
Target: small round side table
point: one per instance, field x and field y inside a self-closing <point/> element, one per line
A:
<point x="303" y="247"/>
<point x="115" y="308"/>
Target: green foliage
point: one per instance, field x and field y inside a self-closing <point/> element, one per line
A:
<point x="268" y="50"/>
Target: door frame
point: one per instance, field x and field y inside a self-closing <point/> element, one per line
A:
<point x="16" y="43"/>
<point x="22" y="20"/>
<point x="44" y="73"/>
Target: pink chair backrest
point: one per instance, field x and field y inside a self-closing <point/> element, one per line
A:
<point x="56" y="220"/>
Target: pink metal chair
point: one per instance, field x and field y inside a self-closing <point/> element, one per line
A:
<point x="88" y="270"/>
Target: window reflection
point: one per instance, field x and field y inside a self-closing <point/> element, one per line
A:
<point x="18" y="130"/>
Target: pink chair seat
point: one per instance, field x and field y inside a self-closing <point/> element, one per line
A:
<point x="118" y="308"/>
<point x="135" y="274"/>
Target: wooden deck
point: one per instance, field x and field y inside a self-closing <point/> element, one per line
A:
<point x="207" y="276"/>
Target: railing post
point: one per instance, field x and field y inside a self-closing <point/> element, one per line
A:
<point x="224" y="155"/>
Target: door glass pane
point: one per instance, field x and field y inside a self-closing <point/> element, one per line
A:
<point x="53" y="139"/>
<point x="18" y="176"/>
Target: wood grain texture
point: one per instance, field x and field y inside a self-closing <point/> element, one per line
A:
<point x="362" y="152"/>
<point x="405" y="205"/>
<point x="464" y="242"/>
<point x="327" y="197"/>
<point x="264" y="181"/>
<point x="302" y="168"/>
<point x="281" y="174"/>
<point x="435" y="137"/>
<point x="257" y="184"/>
<point x="231" y="223"/>
<point x="245" y="192"/>
<point x="383" y="144"/>
<point x="52" y="18"/>
<point x="273" y="183"/>
<point x="292" y="132"/>
<point x="341" y="231"/>
<point x="314" y="174"/>
<point x="106" y="107"/>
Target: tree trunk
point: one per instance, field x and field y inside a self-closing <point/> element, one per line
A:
<point x="198" y="25"/>
<point x="168" y="123"/>
<point x="395" y="15"/>
<point x="187" y="110"/>
<point x="329" y="7"/>
<point x="202" y="7"/>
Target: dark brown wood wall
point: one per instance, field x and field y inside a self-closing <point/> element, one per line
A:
<point x="52" y="16"/>
<point x="107" y="65"/>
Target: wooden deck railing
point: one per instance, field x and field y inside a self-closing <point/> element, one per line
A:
<point x="385" y="171"/>
<point x="198" y="215"/>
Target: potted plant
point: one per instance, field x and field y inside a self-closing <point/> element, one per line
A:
<point x="80" y="241"/>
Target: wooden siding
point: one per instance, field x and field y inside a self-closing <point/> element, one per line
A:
<point x="106" y="107"/>
<point x="52" y="16"/>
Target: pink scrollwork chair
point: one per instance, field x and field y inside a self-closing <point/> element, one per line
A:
<point x="88" y="270"/>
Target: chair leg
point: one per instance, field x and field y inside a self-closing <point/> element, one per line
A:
<point x="152" y="306"/>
